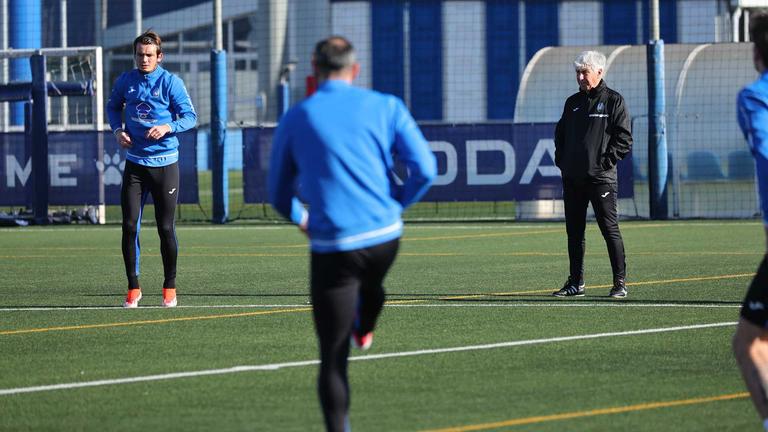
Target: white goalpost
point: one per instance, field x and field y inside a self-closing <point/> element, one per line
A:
<point x="67" y="110"/>
<point x="65" y="64"/>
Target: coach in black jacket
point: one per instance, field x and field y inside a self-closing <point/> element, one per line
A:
<point x="591" y="137"/>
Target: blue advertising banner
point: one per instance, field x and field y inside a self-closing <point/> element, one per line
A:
<point x="74" y="168"/>
<point x="501" y="162"/>
<point x="257" y="146"/>
<point x="14" y="174"/>
<point x="476" y="162"/>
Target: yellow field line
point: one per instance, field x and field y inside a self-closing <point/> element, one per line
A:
<point x="657" y="282"/>
<point x="160" y="321"/>
<point x="253" y="246"/>
<point x="430" y="254"/>
<point x="91" y="248"/>
<point x="470" y="236"/>
<point x="182" y="255"/>
<point x="424" y="254"/>
<point x="26" y="256"/>
<point x="691" y="279"/>
<point x="715" y="253"/>
<point x="654" y="253"/>
<point x="405" y="239"/>
<point x="244" y="314"/>
<point x="592" y="413"/>
<point x="512" y="234"/>
<point x="399" y="302"/>
<point x="245" y="254"/>
<point x="655" y="225"/>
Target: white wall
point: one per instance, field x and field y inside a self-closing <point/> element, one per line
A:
<point x="581" y="22"/>
<point x="353" y="21"/>
<point x="464" y="71"/>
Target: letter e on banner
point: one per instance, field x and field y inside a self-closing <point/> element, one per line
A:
<point x="56" y="164"/>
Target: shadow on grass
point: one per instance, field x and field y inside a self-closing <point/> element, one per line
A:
<point x="591" y="299"/>
<point x="422" y="299"/>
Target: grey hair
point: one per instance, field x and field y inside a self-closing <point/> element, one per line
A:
<point x="589" y="60"/>
<point x="333" y="54"/>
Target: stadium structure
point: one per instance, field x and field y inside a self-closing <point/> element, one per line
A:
<point x="486" y="78"/>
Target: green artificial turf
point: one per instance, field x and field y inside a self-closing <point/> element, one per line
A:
<point x="476" y="340"/>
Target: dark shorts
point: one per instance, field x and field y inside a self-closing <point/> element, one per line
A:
<point x="755" y="306"/>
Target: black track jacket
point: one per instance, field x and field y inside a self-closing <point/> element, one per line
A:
<point x="593" y="134"/>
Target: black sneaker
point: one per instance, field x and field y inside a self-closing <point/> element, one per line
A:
<point x="619" y="289"/>
<point x="570" y="289"/>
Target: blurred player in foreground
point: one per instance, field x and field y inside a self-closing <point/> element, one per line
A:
<point x="157" y="107"/>
<point x="337" y="148"/>
<point x="750" y="343"/>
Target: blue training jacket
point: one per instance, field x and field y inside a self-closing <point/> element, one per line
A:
<point x="752" y="104"/>
<point x="335" y="151"/>
<point x="152" y="99"/>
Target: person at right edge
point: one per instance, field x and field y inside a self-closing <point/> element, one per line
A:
<point x="593" y="134"/>
<point x="750" y="342"/>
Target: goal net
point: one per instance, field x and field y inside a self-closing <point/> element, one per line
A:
<point x="65" y="113"/>
<point x="74" y="119"/>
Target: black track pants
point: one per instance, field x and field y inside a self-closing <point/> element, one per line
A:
<point x="163" y="184"/>
<point x="346" y="291"/>
<point x="755" y="306"/>
<point x="576" y="197"/>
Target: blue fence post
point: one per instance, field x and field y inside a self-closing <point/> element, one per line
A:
<point x="28" y="146"/>
<point x="657" y="132"/>
<point x="39" y="125"/>
<point x="219" y="136"/>
<point x="25" y="31"/>
<point x="284" y="90"/>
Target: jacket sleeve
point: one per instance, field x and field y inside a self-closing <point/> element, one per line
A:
<point x="181" y="105"/>
<point x="560" y="138"/>
<point x="115" y="104"/>
<point x="753" y="118"/>
<point x="620" y="143"/>
<point x="413" y="150"/>
<point x="282" y="177"/>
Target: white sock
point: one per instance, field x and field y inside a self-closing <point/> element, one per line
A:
<point x="765" y="424"/>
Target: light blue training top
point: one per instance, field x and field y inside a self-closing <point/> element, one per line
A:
<point x="335" y="152"/>
<point x="151" y="99"/>
<point x="752" y="113"/>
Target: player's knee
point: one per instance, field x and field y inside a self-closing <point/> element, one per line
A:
<point x="130" y="227"/>
<point x="166" y="231"/>
<point x="749" y="343"/>
<point x="610" y="230"/>
<point x="758" y="351"/>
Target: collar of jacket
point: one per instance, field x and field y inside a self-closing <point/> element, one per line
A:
<point x="334" y="84"/>
<point x="597" y="90"/>
<point x="151" y="75"/>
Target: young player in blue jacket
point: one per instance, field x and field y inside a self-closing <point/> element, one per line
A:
<point x="750" y="343"/>
<point x="157" y="107"/>
<point x="335" y="152"/>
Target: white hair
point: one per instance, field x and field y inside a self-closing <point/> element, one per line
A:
<point x="589" y="59"/>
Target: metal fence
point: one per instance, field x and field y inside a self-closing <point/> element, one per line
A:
<point x="472" y="62"/>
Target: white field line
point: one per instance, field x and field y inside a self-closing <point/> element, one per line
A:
<point x="554" y="304"/>
<point x="479" y="226"/>
<point x="485" y="225"/>
<point x="277" y="366"/>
